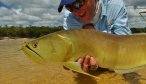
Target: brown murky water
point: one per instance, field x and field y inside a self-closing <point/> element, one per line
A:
<point x="16" y="68"/>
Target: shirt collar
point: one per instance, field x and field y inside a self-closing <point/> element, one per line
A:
<point x="100" y="11"/>
<point x="103" y="11"/>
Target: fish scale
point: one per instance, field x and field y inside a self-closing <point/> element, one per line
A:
<point x="121" y="53"/>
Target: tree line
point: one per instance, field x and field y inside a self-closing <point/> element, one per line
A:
<point x="34" y="31"/>
<point x="27" y="32"/>
<point x="138" y="30"/>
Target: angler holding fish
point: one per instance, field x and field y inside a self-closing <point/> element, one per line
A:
<point x="108" y="16"/>
<point x="78" y="49"/>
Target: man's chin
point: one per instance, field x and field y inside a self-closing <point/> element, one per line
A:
<point x="86" y="19"/>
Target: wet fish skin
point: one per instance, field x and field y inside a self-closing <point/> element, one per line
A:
<point x="122" y="53"/>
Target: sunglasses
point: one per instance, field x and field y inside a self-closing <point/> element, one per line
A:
<point x="76" y="5"/>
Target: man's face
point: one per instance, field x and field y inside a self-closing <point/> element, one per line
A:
<point x="85" y="9"/>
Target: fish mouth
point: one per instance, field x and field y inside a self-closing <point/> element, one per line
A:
<point x="32" y="54"/>
<point x="33" y="51"/>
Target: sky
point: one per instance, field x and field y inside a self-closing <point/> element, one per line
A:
<point x="44" y="13"/>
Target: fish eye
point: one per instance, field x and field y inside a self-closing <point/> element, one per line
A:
<point x="35" y="44"/>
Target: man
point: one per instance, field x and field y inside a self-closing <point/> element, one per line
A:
<point x="108" y="16"/>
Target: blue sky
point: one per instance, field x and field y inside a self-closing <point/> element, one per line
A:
<point x="44" y="12"/>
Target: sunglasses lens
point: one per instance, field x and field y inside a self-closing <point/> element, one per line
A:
<point x="77" y="6"/>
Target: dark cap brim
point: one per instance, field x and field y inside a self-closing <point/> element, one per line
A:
<point x="60" y="8"/>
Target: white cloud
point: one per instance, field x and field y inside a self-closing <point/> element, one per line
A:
<point x="30" y="11"/>
<point x="44" y="12"/>
<point x="135" y="2"/>
<point x="134" y="8"/>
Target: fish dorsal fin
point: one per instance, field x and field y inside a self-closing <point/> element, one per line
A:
<point x="123" y="71"/>
<point x="74" y="66"/>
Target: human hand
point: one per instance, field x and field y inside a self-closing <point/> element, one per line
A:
<point x="88" y="62"/>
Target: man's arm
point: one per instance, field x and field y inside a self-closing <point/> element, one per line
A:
<point x="118" y="16"/>
<point x="120" y="25"/>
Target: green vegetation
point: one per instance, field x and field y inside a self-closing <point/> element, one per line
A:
<point x="27" y="32"/>
<point x="138" y="30"/>
<point x="33" y="31"/>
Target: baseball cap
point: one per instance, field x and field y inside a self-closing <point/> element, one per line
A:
<point x="64" y="2"/>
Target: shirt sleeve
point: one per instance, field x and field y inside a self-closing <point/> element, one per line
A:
<point x="71" y="21"/>
<point x="120" y="22"/>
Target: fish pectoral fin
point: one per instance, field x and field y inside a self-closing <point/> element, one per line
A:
<point x="74" y="66"/>
<point x="125" y="71"/>
<point x="129" y="70"/>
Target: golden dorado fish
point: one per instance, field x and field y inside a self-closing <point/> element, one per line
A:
<point x="121" y="53"/>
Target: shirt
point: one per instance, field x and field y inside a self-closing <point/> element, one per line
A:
<point x="97" y="13"/>
<point x="113" y="18"/>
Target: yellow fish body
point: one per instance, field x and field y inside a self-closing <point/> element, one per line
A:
<point x="121" y="53"/>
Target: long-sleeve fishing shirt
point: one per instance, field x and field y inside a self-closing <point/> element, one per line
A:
<point x="112" y="18"/>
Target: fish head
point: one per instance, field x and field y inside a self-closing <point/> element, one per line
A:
<point x="47" y="48"/>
